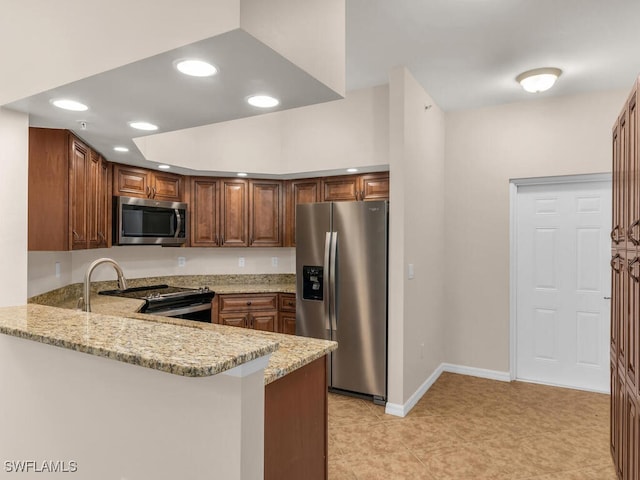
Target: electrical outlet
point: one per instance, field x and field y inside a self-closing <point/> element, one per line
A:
<point x="57" y="269"/>
<point x="241" y="262"/>
<point x="274" y="261"/>
<point x="411" y="272"/>
<point x="182" y="261"/>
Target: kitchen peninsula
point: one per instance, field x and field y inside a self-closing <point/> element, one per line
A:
<point x="213" y="401"/>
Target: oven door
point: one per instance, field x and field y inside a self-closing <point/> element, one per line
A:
<point x="198" y="313"/>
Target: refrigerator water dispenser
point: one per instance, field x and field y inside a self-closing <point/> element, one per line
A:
<point x="312" y="282"/>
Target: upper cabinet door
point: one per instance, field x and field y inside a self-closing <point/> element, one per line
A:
<point x="204" y="207"/>
<point x="131" y="181"/>
<point x="166" y="186"/>
<point x="234" y="215"/>
<point x="79" y="164"/>
<point x="338" y="189"/>
<point x="94" y="177"/>
<point x="374" y="186"/>
<point x="265" y="210"/>
<point x="299" y="191"/>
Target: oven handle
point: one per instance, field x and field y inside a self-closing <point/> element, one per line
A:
<point x="181" y="311"/>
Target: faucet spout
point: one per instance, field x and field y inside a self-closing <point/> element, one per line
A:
<point x="122" y="282"/>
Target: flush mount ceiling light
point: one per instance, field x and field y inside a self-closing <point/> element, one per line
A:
<point x="196" y="68"/>
<point x="143" y="126"/>
<point x="121" y="149"/>
<point x="263" y="101"/>
<point x="164" y="167"/>
<point x="352" y="170"/>
<point x="72" y="105"/>
<point x="242" y="174"/>
<point x="539" y="79"/>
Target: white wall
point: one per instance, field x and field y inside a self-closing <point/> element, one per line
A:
<point x="484" y="149"/>
<point x="149" y="261"/>
<point x="353" y="132"/>
<point x="416" y="306"/>
<point x="14" y="151"/>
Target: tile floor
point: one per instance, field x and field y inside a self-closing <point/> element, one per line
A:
<point x="467" y="428"/>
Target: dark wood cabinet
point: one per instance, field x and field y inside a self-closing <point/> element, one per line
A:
<point x="287" y="313"/>
<point x="204" y="203"/>
<point x="234" y="213"/>
<point x="625" y="292"/>
<point x="256" y="311"/>
<point x="373" y="186"/>
<point x="265" y="213"/>
<point x="142" y="183"/>
<point x="69" y="193"/>
<point x="298" y="191"/>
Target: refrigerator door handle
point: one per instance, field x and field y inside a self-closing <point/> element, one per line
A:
<point x="332" y="281"/>
<point x="325" y="287"/>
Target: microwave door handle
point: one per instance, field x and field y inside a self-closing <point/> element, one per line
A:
<point x="179" y="223"/>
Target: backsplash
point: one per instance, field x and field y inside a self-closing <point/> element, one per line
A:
<point x="152" y="261"/>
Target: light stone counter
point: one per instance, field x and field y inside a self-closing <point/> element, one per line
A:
<point x="291" y="353"/>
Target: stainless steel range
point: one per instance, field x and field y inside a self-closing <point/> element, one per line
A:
<point x="168" y="301"/>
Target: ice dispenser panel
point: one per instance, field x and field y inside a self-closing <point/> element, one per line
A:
<point x="312" y="282"/>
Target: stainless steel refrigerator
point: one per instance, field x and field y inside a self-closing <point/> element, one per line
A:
<point x="341" y="276"/>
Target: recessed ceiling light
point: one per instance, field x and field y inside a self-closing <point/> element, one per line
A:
<point x="164" y="167"/>
<point x="121" y="149"/>
<point x="352" y="170"/>
<point x="143" y="126"/>
<point x="196" y="68"/>
<point x="539" y="79"/>
<point x="263" y="101"/>
<point x="242" y="174"/>
<point x="70" y="105"/>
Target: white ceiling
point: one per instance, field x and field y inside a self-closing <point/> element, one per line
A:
<point x="465" y="53"/>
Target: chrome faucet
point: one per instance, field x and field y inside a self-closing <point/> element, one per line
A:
<point x="122" y="282"/>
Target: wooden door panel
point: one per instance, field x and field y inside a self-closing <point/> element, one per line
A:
<point x="337" y="189"/>
<point x="265" y="321"/>
<point x="288" y="323"/>
<point x="631" y="443"/>
<point x="299" y="191"/>
<point x="374" y="187"/>
<point x="78" y="174"/>
<point x="167" y="187"/>
<point x="265" y="210"/>
<point x="233" y="319"/>
<point x="204" y="212"/>
<point x="246" y="303"/>
<point x="631" y="323"/>
<point x="234" y="216"/>
<point x="104" y="205"/>
<point x="131" y="182"/>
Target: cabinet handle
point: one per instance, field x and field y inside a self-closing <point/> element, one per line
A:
<point x="356" y="195"/>
<point x="221" y="240"/>
<point x="251" y="241"/>
<point x="153" y="189"/>
<point x="147" y="191"/>
<point x="250" y="320"/>
<point x="614" y="234"/>
<point x="614" y="262"/>
<point x="361" y="194"/>
<point x="632" y="263"/>
<point x="101" y="235"/>
<point x="248" y="303"/>
<point x="217" y="240"/>
<point x="75" y="234"/>
<point x="633" y="239"/>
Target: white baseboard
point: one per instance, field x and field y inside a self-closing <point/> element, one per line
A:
<point x="477" y="372"/>
<point x="401" y="410"/>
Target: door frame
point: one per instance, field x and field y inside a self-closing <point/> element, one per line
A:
<point x="514" y="184"/>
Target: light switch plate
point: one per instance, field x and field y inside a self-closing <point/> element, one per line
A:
<point x="241" y="262"/>
<point x="411" y="271"/>
<point x="182" y="261"/>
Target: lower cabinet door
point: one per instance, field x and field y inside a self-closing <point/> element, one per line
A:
<point x="265" y="321"/>
<point x="288" y="323"/>
<point x="233" y="319"/>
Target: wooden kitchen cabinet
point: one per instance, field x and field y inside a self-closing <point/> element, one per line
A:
<point x="204" y="205"/>
<point x="265" y="213"/>
<point x="372" y="186"/>
<point x="287" y="313"/>
<point x="234" y="213"/>
<point x="625" y="292"/>
<point x="142" y="183"/>
<point x="297" y="192"/>
<point x="69" y="193"/>
<point x="256" y="311"/>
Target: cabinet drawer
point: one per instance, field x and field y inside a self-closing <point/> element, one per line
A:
<point x="287" y="302"/>
<point x="248" y="303"/>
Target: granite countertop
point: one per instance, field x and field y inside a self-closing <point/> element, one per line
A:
<point x="212" y="346"/>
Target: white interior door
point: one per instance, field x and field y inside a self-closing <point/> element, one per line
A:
<point x="563" y="284"/>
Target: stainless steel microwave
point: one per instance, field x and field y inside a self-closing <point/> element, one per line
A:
<point x="142" y="221"/>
